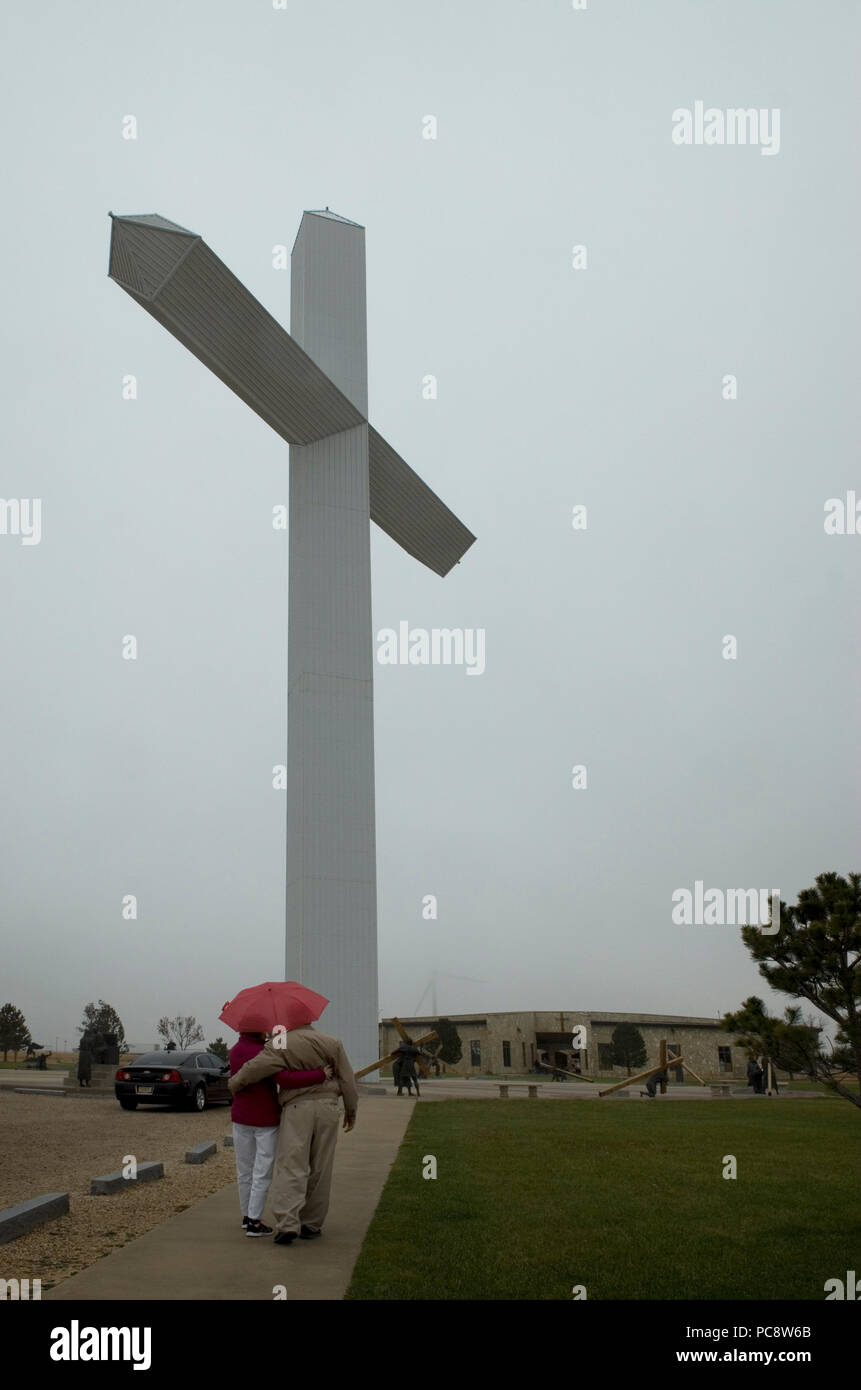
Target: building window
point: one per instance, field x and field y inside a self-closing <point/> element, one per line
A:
<point x="506" y="1054"/>
<point x="475" y="1053"/>
<point x="523" y="1045"/>
<point x="724" y="1059"/>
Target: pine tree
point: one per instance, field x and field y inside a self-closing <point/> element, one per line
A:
<point x="628" y="1047"/>
<point x="816" y="955"/>
<point x="14" y="1033"/>
<point x="99" y="1020"/>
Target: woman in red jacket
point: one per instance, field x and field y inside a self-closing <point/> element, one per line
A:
<point x="256" y="1115"/>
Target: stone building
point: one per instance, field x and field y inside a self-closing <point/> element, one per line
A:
<point x="516" y="1042"/>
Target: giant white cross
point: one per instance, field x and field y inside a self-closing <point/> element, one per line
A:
<point x="311" y="386"/>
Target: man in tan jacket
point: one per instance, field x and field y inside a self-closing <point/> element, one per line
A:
<point x="309" y="1127"/>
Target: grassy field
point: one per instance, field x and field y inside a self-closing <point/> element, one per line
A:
<point x="627" y="1199"/>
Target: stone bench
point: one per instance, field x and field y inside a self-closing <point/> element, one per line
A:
<point x="16" y="1221"/>
<point x="201" y="1152"/>
<point x="531" y="1087"/>
<point x="115" y="1182"/>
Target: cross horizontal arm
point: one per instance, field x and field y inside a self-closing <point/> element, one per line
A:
<point x="643" y="1075"/>
<point x="174" y="275"/>
<point x="410" y="512"/>
<point x="390" y="1056"/>
<point x="192" y="294"/>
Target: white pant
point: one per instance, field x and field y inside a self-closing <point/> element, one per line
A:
<point x="254" y="1147"/>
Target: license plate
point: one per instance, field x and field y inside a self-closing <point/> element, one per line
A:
<point x="144" y="1090"/>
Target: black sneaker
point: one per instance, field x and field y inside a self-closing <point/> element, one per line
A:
<point x="308" y="1233"/>
<point x="285" y="1237"/>
<point x="256" y="1228"/>
<point x="244" y="1222"/>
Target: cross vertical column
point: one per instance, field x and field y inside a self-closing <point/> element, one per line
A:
<point x="331" y="835"/>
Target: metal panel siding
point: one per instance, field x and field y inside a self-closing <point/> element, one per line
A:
<point x="411" y="513"/>
<point x="331" y="841"/>
<point x="331" y="834"/>
<point x="211" y="313"/>
<point x="327" y="271"/>
<point x="121" y="266"/>
<point x="154" y="219"/>
<point x="252" y="353"/>
<point x="141" y="258"/>
<point x="303" y="392"/>
<point x="342" y="473"/>
<point x="328" y="310"/>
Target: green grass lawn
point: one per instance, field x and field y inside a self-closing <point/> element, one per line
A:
<point x="627" y="1199"/>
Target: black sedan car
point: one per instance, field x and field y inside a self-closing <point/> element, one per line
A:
<point x="192" y="1079"/>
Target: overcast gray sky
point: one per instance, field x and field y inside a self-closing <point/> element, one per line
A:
<point x="557" y="386"/>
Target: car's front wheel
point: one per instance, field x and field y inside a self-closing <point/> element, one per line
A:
<point x="198" y="1100"/>
<point x="128" y="1103"/>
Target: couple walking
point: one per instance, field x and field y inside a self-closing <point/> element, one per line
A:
<point x="286" y="1080"/>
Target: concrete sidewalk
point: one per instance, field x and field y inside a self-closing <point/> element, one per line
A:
<point x="31" y="1078"/>
<point x="204" y="1254"/>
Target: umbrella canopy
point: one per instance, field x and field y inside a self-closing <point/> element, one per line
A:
<point x="275" y="1004"/>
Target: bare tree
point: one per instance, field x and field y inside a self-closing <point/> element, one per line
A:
<point x="181" y="1031"/>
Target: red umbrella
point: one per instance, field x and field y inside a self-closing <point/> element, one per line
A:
<point x="278" y="1003"/>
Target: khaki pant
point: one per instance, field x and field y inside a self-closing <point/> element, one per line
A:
<point x="303" y="1163"/>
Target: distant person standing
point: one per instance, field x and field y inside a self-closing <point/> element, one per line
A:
<point x="407" y="1075"/>
<point x="397" y="1061"/>
<point x="85" y="1066"/>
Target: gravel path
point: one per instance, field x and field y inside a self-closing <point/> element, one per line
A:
<point x="49" y="1145"/>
